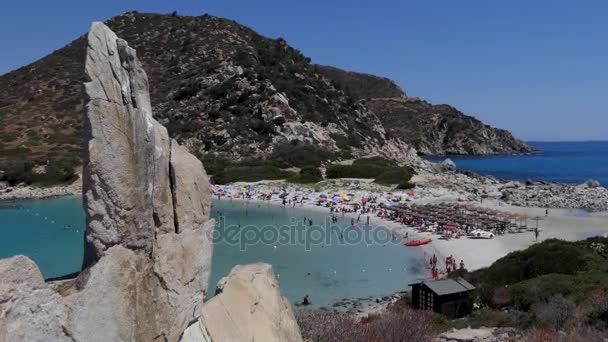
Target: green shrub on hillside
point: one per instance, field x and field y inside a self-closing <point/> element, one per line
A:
<point x="375" y="162"/>
<point x="20" y="171"/>
<point x="383" y="171"/>
<point x="300" y="155"/>
<point x="250" y="174"/>
<point x="540" y="289"/>
<point x="549" y="256"/>
<point x="58" y="172"/>
<point x="306" y="176"/>
<point x="397" y="175"/>
<point x="553" y="266"/>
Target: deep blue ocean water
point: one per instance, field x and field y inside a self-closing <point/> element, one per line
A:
<point x="51" y="233"/>
<point x="565" y="162"/>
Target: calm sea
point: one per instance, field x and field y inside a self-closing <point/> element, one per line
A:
<point x="565" y="162"/>
<point x="51" y="233"/>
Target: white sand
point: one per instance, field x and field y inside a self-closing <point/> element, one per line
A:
<point x="560" y="224"/>
<point x="478" y="253"/>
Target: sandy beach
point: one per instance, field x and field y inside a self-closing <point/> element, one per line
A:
<point x="566" y="224"/>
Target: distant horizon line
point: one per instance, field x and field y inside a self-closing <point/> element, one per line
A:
<point x="564" y="141"/>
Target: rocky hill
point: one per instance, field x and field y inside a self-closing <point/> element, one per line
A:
<point x="222" y="89"/>
<point x="431" y="129"/>
<point x="219" y="87"/>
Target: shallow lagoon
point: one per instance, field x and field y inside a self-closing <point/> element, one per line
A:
<point x="51" y="232"/>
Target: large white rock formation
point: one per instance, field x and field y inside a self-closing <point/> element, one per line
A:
<point x="249" y="307"/>
<point x="148" y="242"/>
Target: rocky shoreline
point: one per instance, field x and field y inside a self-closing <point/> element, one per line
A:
<point x="468" y="186"/>
<point x="23" y="192"/>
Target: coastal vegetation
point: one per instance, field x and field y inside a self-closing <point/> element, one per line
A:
<point x="555" y="284"/>
<point x="395" y="325"/>
<point x="58" y="172"/>
<point x="309" y="159"/>
<point x="383" y="171"/>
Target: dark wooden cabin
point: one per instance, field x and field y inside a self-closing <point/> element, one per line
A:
<point x="449" y="297"/>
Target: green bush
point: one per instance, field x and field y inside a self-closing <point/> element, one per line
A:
<point x="550" y="267"/>
<point x="307" y="176"/>
<point x="16" y="171"/>
<point x="341" y="140"/>
<point x="58" y="172"/>
<point x="397" y="175"/>
<point x="300" y="155"/>
<point x="382" y="170"/>
<point x="250" y="174"/>
<point x="375" y="162"/>
<point x="406" y="185"/>
<point x="540" y="289"/>
<point x="214" y="164"/>
<point x="20" y="171"/>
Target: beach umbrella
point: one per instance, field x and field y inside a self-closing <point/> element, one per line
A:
<point x="323" y="196"/>
<point x="283" y="195"/>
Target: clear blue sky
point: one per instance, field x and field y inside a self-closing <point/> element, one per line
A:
<point x="537" y="68"/>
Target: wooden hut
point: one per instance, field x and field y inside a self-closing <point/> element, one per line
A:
<point x="449" y="297"/>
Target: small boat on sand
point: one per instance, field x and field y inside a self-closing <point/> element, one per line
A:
<point x="418" y="242"/>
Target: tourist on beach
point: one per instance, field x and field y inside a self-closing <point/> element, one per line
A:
<point x="546" y="212"/>
<point x="306" y="301"/>
<point x="368" y="220"/>
<point x="536" y="234"/>
<point x="462" y="264"/>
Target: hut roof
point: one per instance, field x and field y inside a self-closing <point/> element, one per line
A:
<point x="448" y="286"/>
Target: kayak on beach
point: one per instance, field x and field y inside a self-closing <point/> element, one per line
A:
<point x="418" y="242"/>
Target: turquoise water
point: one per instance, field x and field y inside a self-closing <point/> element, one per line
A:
<point x="50" y="232"/>
<point x="565" y="162"/>
<point x="39" y="229"/>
